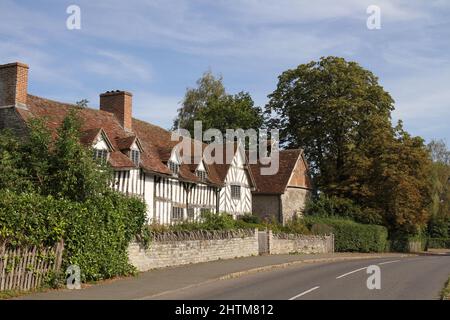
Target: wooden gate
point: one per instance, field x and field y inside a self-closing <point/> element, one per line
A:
<point x="263" y="242"/>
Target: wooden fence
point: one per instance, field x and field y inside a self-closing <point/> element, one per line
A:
<point x="26" y="268"/>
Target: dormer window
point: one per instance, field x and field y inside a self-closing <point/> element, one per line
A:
<point x="174" y="167"/>
<point x="136" y="157"/>
<point x="100" y="155"/>
<point x="201" y="174"/>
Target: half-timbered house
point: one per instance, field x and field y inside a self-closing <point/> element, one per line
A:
<point x="144" y="159"/>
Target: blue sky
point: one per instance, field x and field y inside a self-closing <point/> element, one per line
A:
<point x="156" y="49"/>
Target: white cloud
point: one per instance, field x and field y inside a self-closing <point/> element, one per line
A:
<point x="118" y="65"/>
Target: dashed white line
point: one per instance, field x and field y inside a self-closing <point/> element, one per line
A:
<point x="387" y="262"/>
<point x="354" y="271"/>
<point x="304" y="292"/>
<point x="349" y="273"/>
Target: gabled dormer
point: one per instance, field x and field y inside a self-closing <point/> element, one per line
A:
<point x="201" y="172"/>
<point x="100" y="143"/>
<point x="132" y="147"/>
<point x="174" y="162"/>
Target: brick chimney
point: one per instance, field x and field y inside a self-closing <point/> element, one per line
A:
<point x="13" y="84"/>
<point x="120" y="104"/>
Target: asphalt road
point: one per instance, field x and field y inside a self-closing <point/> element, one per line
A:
<point x="420" y="277"/>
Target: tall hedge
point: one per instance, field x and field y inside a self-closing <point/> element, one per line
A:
<point x="96" y="233"/>
<point x="351" y="236"/>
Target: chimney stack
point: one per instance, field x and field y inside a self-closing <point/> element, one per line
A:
<point x="120" y="104"/>
<point x="13" y="84"/>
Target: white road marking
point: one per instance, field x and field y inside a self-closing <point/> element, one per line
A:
<point x="351" y="272"/>
<point x="303" y="293"/>
<point x="387" y="262"/>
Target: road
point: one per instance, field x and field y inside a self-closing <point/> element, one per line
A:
<point x="419" y="277"/>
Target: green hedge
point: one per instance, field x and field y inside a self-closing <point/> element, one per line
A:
<point x="438" y="243"/>
<point x="96" y="233"/>
<point x="225" y="221"/>
<point x="349" y="235"/>
<point x="399" y="242"/>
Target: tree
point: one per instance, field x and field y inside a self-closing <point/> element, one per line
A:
<point x="210" y="104"/>
<point x="73" y="174"/>
<point x="36" y="154"/>
<point x="12" y="175"/>
<point x="231" y="112"/>
<point x="338" y="113"/>
<point x="439" y="224"/>
<point x="208" y="88"/>
<point x="439" y="151"/>
<point x="61" y="167"/>
<point x="400" y="186"/>
<point x="328" y="108"/>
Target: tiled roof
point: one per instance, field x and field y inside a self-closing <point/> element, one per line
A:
<point x="125" y="143"/>
<point x="276" y="184"/>
<point x="156" y="144"/>
<point x="88" y="136"/>
<point x="155" y="141"/>
<point x="159" y="140"/>
<point x="118" y="160"/>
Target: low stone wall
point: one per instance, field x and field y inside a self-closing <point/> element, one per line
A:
<point x="178" y="248"/>
<point x="294" y="243"/>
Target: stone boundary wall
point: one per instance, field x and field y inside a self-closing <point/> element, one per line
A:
<point x="186" y="247"/>
<point x="283" y="243"/>
<point x="179" y="248"/>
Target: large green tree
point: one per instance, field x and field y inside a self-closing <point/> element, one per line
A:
<point x="60" y="167"/>
<point x="231" y="112"/>
<point x="439" y="225"/>
<point x="210" y="103"/>
<point x="341" y="116"/>
<point x="72" y="172"/>
<point x="209" y="87"/>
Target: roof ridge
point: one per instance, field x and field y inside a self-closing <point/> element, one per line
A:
<point x="68" y="104"/>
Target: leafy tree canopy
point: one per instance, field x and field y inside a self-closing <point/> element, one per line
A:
<point x="439" y="225"/>
<point x="341" y="116"/>
<point x="231" y="112"/>
<point x="208" y="88"/>
<point x="217" y="109"/>
<point x="60" y="167"/>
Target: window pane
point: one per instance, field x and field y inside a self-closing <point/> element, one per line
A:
<point x="174" y="167"/>
<point x="236" y="192"/>
<point x="177" y="213"/>
<point x="101" y="155"/>
<point x="135" y="157"/>
<point x="202" y="175"/>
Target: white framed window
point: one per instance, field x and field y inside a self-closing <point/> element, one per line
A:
<point x="202" y="175"/>
<point x="235" y="191"/>
<point x="100" y="155"/>
<point x="177" y="213"/>
<point x="174" y="167"/>
<point x="135" y="157"/>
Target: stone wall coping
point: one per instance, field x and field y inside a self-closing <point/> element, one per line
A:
<point x="201" y="235"/>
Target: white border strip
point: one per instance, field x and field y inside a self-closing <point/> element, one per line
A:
<point x="303" y="293"/>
